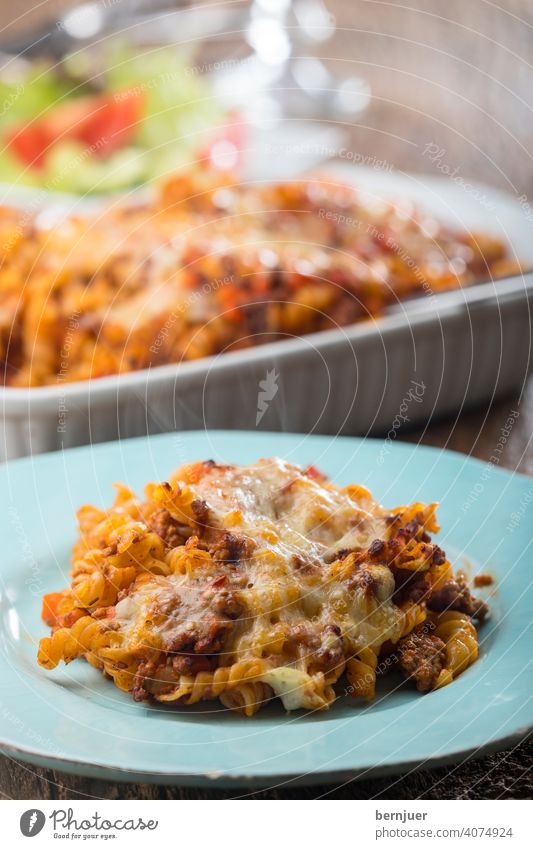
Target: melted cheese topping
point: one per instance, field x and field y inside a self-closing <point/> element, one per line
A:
<point x="289" y="594"/>
<point x="285" y="509"/>
<point x="290" y="685"/>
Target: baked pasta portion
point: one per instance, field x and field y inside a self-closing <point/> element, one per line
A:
<point x="210" y="266"/>
<point x="246" y="583"/>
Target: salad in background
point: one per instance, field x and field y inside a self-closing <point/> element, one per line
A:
<point x="99" y="124"/>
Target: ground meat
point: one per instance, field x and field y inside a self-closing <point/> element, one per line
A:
<point x="324" y="650"/>
<point x="300" y="635"/>
<point x="201" y="512"/>
<point x="410" y="586"/>
<point x="439" y="557"/>
<point x="196" y="619"/>
<point x="145" y="673"/>
<point x="231" y="548"/>
<point x="421" y="656"/>
<point x="414" y="528"/>
<point x="190" y="664"/>
<point x="392" y="519"/>
<point x="226" y="602"/>
<point x="409" y="530"/>
<point x="171" y="531"/>
<point x="483" y="581"/>
<point x="222" y="599"/>
<point x="302" y="640"/>
<point x="380" y="551"/>
<point x="376" y="548"/>
<point x="206" y="636"/>
<point x="455" y="595"/>
<point x="331" y="650"/>
<point x="405" y="533"/>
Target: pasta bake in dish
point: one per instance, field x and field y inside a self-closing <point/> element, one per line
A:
<point x="210" y="266"/>
<point x="247" y="583"/>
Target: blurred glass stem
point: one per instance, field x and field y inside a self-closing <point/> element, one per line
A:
<point x="283" y="78"/>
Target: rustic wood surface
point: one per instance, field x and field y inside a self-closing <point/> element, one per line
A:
<point x="460" y="75"/>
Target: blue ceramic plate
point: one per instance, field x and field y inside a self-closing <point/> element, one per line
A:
<point x="73" y="719"/>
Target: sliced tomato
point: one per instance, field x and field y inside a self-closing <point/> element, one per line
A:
<point x="114" y="122"/>
<point x="28" y="144"/>
<point x="103" y="124"/>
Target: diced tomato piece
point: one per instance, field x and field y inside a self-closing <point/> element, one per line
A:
<point x="312" y="472"/>
<point x="102" y="124"/>
<point x="28" y="144"/>
<point x="114" y="123"/>
<point x="49" y="609"/>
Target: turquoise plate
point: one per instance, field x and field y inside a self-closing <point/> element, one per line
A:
<point x="75" y="720"/>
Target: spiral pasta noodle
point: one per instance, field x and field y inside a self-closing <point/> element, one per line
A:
<point x="186" y="559"/>
<point x="101" y="590"/>
<point x="211" y="685"/>
<point x="413" y="615"/>
<point x="86" y="636"/>
<point x="460" y="638"/>
<point x="361" y="674"/>
<point x="247" y="698"/>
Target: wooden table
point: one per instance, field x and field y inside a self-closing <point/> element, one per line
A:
<point x="460" y="75"/>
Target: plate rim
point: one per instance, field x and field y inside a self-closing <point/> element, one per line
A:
<point x="237" y="779"/>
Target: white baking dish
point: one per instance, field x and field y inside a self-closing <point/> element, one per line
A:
<point x="432" y="356"/>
